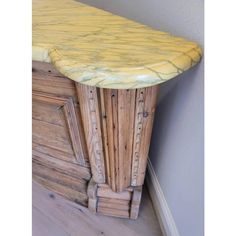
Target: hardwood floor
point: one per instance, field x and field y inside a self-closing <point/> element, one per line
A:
<point x="55" y="216"/>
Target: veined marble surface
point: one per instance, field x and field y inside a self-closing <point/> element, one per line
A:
<point x="97" y="48"/>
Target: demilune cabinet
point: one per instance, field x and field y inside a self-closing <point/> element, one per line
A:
<point x="91" y="144"/>
<point x="96" y="79"/>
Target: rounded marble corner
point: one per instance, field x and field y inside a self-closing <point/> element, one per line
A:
<point x="107" y="51"/>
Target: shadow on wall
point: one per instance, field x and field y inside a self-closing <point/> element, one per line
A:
<point x="177" y="149"/>
<point x="171" y="96"/>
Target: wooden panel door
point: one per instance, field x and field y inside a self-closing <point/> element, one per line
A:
<point x="55" y="126"/>
<point x="60" y="157"/>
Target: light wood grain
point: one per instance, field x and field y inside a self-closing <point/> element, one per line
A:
<point x="67" y="192"/>
<point x="92" y="196"/>
<point x="110" y="97"/>
<point x="146" y="101"/>
<point x="65" y="116"/>
<point x="123" y="204"/>
<point x="64" y="179"/>
<point x="89" y="108"/>
<point x="135" y="203"/>
<point x="126" y="109"/>
<point x="44" y="226"/>
<point x="71" y="169"/>
<point x="123" y="120"/>
<point x="64" y="217"/>
<point x="55" y="102"/>
<point x="48" y="80"/>
<point x="115" y="204"/>
<point x="60" y="157"/>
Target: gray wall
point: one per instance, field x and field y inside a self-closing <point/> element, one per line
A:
<point x="176" y="150"/>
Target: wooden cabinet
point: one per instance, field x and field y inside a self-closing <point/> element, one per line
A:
<point x="91" y="137"/>
<point x="91" y="144"/>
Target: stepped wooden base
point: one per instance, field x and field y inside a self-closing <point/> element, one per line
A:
<point x="124" y="204"/>
<point x="91" y="144"/>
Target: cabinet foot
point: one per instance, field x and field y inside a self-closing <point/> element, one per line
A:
<point x="103" y="200"/>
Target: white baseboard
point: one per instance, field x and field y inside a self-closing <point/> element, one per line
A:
<point x="160" y="205"/>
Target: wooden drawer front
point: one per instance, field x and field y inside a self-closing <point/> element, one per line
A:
<point x="48" y="80"/>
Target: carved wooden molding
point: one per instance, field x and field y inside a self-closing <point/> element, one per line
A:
<point x="146" y="100"/>
<point x="90" y="112"/>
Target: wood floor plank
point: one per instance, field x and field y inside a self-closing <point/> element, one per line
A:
<point x="76" y="220"/>
<point x="43" y="226"/>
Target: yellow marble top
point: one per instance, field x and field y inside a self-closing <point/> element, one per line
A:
<point x="97" y="48"/>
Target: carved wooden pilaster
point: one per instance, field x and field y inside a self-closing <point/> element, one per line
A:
<point x="90" y="111"/>
<point x="146" y="100"/>
<point x="118" y="126"/>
